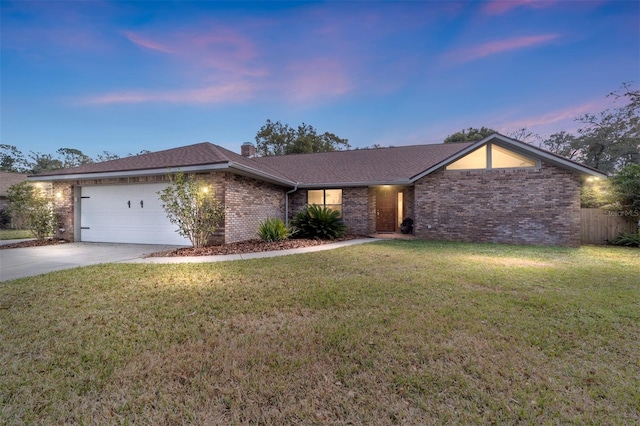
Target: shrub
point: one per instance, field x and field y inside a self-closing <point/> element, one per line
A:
<point x="31" y="207"/>
<point x="273" y="229"/>
<point x="193" y="207"/>
<point x="319" y="222"/>
<point x="5" y="218"/>
<point x="630" y="239"/>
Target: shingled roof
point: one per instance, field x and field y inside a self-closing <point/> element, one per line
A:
<point x="200" y="155"/>
<point x="357" y="167"/>
<point x="378" y="166"/>
<point x="363" y="166"/>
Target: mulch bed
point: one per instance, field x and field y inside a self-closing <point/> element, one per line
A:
<point x="33" y="243"/>
<point x="251" y="246"/>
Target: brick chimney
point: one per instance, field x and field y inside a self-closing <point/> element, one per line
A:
<point x="248" y="150"/>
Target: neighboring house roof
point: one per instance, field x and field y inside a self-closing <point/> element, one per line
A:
<point x="377" y="166"/>
<point x="8" y="179"/>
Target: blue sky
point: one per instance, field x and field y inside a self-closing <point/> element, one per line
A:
<point x="127" y="76"/>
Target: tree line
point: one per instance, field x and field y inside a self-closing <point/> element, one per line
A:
<point x="607" y="141"/>
<point x="13" y="160"/>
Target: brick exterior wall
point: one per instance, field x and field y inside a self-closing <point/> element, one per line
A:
<point x="526" y="206"/>
<point x="63" y="206"/>
<point x="355" y="208"/>
<point x="297" y="202"/>
<point x="248" y="203"/>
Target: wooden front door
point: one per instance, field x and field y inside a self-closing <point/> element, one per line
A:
<point x="386" y="208"/>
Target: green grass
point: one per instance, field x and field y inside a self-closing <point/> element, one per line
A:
<point x="402" y="332"/>
<point x="15" y="234"/>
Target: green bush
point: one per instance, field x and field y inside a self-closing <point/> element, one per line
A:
<point x="193" y="207"/>
<point x="319" y="223"/>
<point x="273" y="229"/>
<point x="31" y="207"/>
<point x="630" y="239"/>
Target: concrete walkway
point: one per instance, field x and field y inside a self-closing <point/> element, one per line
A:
<point x="258" y="255"/>
<point x="30" y="261"/>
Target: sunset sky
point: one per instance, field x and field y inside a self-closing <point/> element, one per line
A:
<point x="126" y="76"/>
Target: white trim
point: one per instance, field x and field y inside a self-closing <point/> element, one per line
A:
<point x="338" y="185"/>
<point x="244" y="170"/>
<point x="519" y="146"/>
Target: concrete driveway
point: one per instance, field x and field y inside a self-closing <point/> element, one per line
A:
<point x="26" y="262"/>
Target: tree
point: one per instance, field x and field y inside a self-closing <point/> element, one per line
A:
<point x="106" y="156"/>
<point x="595" y="193"/>
<point x="71" y="157"/>
<point x="280" y="139"/>
<point x="193" y="207"/>
<point x="31" y="207"/>
<point x="12" y="160"/>
<point x="609" y="140"/>
<point x="469" y="135"/>
<point x="524" y="135"/>
<point x="18" y="196"/>
<point x="625" y="188"/>
<point x="43" y="163"/>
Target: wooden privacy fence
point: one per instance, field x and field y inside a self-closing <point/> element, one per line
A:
<point x="599" y="226"/>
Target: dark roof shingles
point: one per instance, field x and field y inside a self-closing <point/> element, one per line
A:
<point x="379" y="165"/>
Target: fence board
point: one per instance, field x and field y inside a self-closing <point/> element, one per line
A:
<point x="599" y="227"/>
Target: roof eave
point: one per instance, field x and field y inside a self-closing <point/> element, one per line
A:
<point x="127" y="173"/>
<point x="238" y="168"/>
<point x="540" y="153"/>
<point x="402" y="182"/>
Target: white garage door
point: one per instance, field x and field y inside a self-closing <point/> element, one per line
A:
<point x="126" y="214"/>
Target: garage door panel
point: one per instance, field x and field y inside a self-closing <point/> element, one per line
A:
<point x="126" y="214"/>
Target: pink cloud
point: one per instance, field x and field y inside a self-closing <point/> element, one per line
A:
<point x="500" y="7"/>
<point x="236" y="91"/>
<point x="211" y="50"/>
<point x="499" y="46"/>
<point x="318" y="78"/>
<point x="147" y="44"/>
<point x="554" y="121"/>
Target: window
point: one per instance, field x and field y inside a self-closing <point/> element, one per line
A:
<point x="504" y="159"/>
<point x="330" y="198"/>
<point x="492" y="156"/>
<point x="476" y="160"/>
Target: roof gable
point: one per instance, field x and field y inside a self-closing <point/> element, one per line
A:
<point x="521" y="147"/>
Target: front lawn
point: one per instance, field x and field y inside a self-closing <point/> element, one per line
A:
<point x="403" y="332"/>
<point x="15" y="234"/>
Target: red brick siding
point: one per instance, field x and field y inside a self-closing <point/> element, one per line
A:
<point x="540" y="207"/>
<point x="297" y="202"/>
<point x="355" y="209"/>
<point x="64" y="209"/>
<point x="355" y="212"/>
<point x="248" y="203"/>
